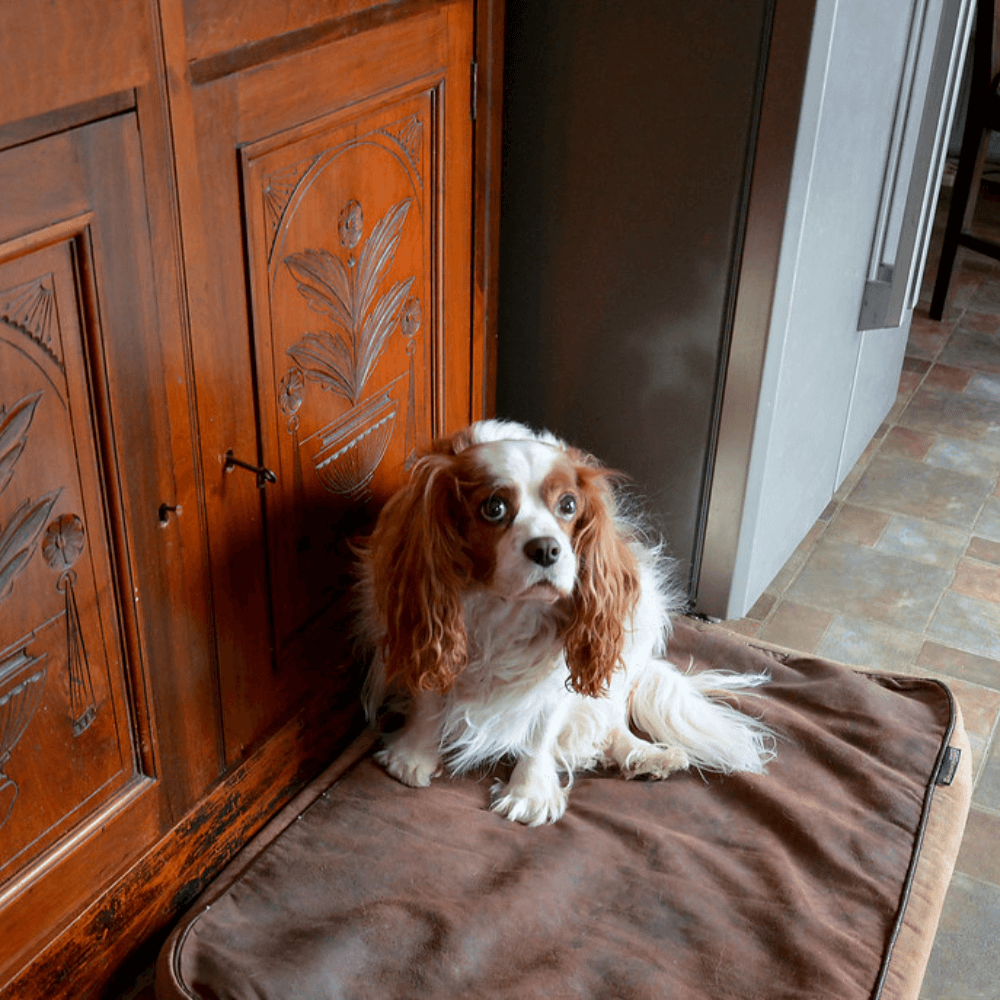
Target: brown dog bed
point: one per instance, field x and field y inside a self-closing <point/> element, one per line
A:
<point x="823" y="878"/>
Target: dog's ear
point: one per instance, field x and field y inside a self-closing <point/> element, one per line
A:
<point x="416" y="571"/>
<point x="455" y="444"/>
<point x="607" y="585"/>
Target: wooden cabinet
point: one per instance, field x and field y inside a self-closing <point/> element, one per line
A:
<point x="71" y="311"/>
<point x="246" y="260"/>
<point x="337" y="233"/>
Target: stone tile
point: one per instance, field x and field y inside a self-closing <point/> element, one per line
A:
<point x="954" y="309"/>
<point x="977" y="579"/>
<point x="978" y="746"/>
<point x="980" y="708"/>
<point x="970" y="348"/>
<point x="797" y="559"/>
<point x="984" y="387"/>
<point x="796" y="626"/>
<point x="851" y="479"/>
<point x="898" y="408"/>
<point x="964" y="285"/>
<point x="985" y="302"/>
<point x="910" y="444"/>
<point x="988" y="523"/>
<point x="921" y="317"/>
<point x="979" y="857"/>
<point x="871" y="645"/>
<point x="971" y="457"/>
<point x="987" y="791"/>
<point x="857" y="525"/>
<point x="984" y="550"/>
<point x="760" y="610"/>
<point x="985" y="321"/>
<point x="913" y="364"/>
<point x="909" y="382"/>
<point x="902" y="486"/>
<point x="965" y="962"/>
<point x="967" y="623"/>
<point x="923" y="541"/>
<point x="743" y="626"/>
<point x="948" y="660"/>
<point x="946" y="377"/>
<point x="952" y="414"/>
<point x="869" y="585"/>
<point x="926" y="338"/>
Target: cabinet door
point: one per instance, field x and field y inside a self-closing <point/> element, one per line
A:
<point x="340" y="241"/>
<point x="77" y="797"/>
<point x="812" y="384"/>
<point x="333" y="222"/>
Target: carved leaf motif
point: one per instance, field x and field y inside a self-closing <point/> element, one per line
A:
<point x="13" y="434"/>
<point x="348" y="297"/>
<point x="19" y="538"/>
<point x="31" y="308"/>
<point x="325" y="283"/>
<point x="408" y="133"/>
<point x="278" y="192"/>
<point x="327" y="360"/>
<point x="378" y="254"/>
<point x="377" y="327"/>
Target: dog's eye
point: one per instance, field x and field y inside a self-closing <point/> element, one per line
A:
<point x="493" y="510"/>
<point x="566" y="507"/>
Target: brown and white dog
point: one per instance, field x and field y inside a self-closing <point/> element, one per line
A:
<point x="504" y="591"/>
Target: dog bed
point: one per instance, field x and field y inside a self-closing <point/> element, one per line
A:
<point x="824" y="877"/>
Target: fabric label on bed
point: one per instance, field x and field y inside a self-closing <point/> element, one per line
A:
<point x="949" y="765"/>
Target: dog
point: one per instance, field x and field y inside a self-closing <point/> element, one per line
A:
<point x="505" y="592"/>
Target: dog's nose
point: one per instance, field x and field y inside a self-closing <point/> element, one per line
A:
<point x="544" y="551"/>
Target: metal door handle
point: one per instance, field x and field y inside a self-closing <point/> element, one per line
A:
<point x="263" y="474"/>
<point x="906" y="215"/>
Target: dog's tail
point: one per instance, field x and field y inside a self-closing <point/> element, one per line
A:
<point x="676" y="709"/>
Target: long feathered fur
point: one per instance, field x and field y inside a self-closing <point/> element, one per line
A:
<point x="560" y="683"/>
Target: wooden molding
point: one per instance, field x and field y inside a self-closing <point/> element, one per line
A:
<point x="486" y="191"/>
<point x="156" y="891"/>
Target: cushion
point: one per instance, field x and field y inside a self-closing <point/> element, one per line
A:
<point x="823" y="877"/>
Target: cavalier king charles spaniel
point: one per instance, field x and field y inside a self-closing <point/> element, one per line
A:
<point x="522" y="613"/>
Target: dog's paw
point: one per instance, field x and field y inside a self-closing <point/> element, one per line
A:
<point x="655" y="762"/>
<point x="533" y="803"/>
<point x="413" y="767"/>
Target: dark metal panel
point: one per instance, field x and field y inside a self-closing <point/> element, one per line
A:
<point x="628" y="138"/>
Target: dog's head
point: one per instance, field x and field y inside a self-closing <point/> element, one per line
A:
<point x="500" y="508"/>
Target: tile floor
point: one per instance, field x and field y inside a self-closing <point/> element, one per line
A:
<point x="902" y="572"/>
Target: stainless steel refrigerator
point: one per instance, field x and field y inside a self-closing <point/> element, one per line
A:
<point x="713" y="221"/>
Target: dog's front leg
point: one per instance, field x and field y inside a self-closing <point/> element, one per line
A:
<point x="413" y="755"/>
<point x="534" y="794"/>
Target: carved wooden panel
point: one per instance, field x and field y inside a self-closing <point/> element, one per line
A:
<point x="255" y="234"/>
<point x="65" y="737"/>
<point x="329" y="242"/>
<point x="342" y="238"/>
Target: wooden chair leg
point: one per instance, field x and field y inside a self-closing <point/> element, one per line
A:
<point x="960" y="201"/>
<point x="979" y="114"/>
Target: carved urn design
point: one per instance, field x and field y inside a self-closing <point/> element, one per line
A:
<point x="22" y="680"/>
